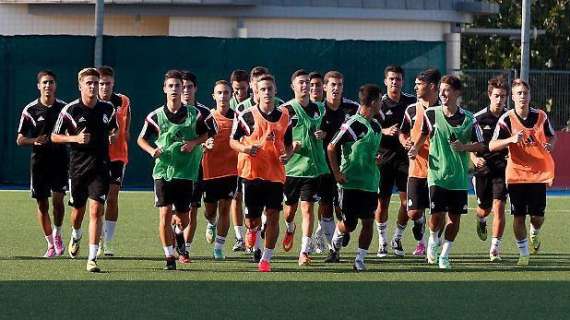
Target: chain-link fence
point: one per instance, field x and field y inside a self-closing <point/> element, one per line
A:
<point x="550" y="91"/>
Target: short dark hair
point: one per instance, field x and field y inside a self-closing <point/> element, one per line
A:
<point x="367" y="93"/>
<point x="520" y="82"/>
<point x="315" y="75"/>
<point x="239" y="76"/>
<point x="189" y="76"/>
<point x="173" y="74"/>
<point x="453" y="81"/>
<point x="45" y="72"/>
<point x="333" y="74"/>
<point x="266" y="77"/>
<point x="87" y="72"/>
<point x="393" y="68"/>
<point x="498" y="82"/>
<point x="431" y="75"/>
<point x="257" y="72"/>
<point x="106" y="71"/>
<point x="300" y="72"/>
<point x="224" y="82"/>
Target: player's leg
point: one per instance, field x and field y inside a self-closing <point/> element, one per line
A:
<point x="292" y="192"/>
<point x="328" y="200"/>
<point x="484" y="193"/>
<point x="457" y="206"/>
<point x="117" y="170"/>
<point x="273" y="198"/>
<point x="436" y="221"/>
<point x="58" y="209"/>
<point x="77" y="199"/>
<point x="308" y="197"/>
<point x="254" y="200"/>
<point x="368" y="201"/>
<point x="401" y="182"/>
<point x="42" y="215"/>
<point x="385" y="188"/>
<point x="536" y="207"/>
<point x="236" y="212"/>
<point x="222" y="228"/>
<point x="98" y="189"/>
<point x="519" y="209"/>
<point x="418" y="201"/>
<point x="499" y="198"/>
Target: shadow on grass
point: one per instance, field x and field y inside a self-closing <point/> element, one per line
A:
<point x="284" y="300"/>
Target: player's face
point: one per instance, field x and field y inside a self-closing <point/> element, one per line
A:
<point x="316" y="90"/>
<point x="47" y="86"/>
<point x="393" y="82"/>
<point x="172" y="88"/>
<point x="266" y="91"/>
<point x="498" y="98"/>
<point x="521" y="96"/>
<point x="222" y="95"/>
<point x="188" y="91"/>
<point x="448" y="95"/>
<point x="421" y="88"/>
<point x="89" y="87"/>
<point x="333" y="88"/>
<point x="106" y="86"/>
<point x="301" y="85"/>
<point x="240" y="89"/>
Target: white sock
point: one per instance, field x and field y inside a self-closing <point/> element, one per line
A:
<point x="361" y="254"/>
<point x="337" y="239"/>
<point x="110" y="230"/>
<point x="328" y="226"/>
<point x="239" y="232"/>
<point x="523" y="247"/>
<point x="168" y="251"/>
<point x="446" y="248"/>
<point x="49" y="240"/>
<point x="382" y="232"/>
<point x="57" y="230"/>
<point x="399" y="231"/>
<point x="188" y="246"/>
<point x="267" y="254"/>
<point x="178" y="230"/>
<point x="433" y="237"/>
<point x="495" y="244"/>
<point x="533" y="231"/>
<point x="93" y="251"/>
<point x="210" y="224"/>
<point x="263" y="219"/>
<point x="306" y="244"/>
<point x="258" y="241"/>
<point x="219" y="243"/>
<point x="290" y="226"/>
<point x="76" y="233"/>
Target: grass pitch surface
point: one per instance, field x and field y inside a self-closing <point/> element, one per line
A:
<point x="134" y="285"/>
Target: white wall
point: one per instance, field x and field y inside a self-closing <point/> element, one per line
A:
<point x="15" y="20"/>
<point x="202" y="27"/>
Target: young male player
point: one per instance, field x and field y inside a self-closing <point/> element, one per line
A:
<point x="529" y="138"/>
<point x="453" y="133"/>
<point x="489" y="178"/>
<point x="307" y="164"/>
<point x="394" y="160"/>
<point x="426" y="86"/>
<point x="177" y="132"/>
<point x="189" y="89"/>
<point x="358" y="175"/>
<point x="254" y="75"/>
<point x="49" y="162"/>
<point x="259" y="135"/>
<point x="88" y="126"/>
<point x="240" y="89"/>
<point x="118" y="154"/>
<point x="316" y="89"/>
<point x="219" y="165"/>
<point x="337" y="111"/>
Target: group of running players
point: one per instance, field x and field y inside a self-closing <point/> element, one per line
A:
<point x="266" y="155"/>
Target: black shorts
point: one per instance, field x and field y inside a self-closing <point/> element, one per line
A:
<point x="217" y="189"/>
<point x="356" y="204"/>
<point x="239" y="189"/>
<point x="527" y="198"/>
<point x="261" y="194"/>
<point x="418" y="193"/>
<point x="304" y="188"/>
<point x="488" y="188"/>
<point x="445" y="200"/>
<point x="393" y="172"/>
<point x="94" y="185"/>
<point x="328" y="191"/>
<point x="46" y="179"/>
<point x="117" y="172"/>
<point x="176" y="193"/>
<point x="197" y="192"/>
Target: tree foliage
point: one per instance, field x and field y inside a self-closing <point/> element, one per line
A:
<point x="549" y="51"/>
